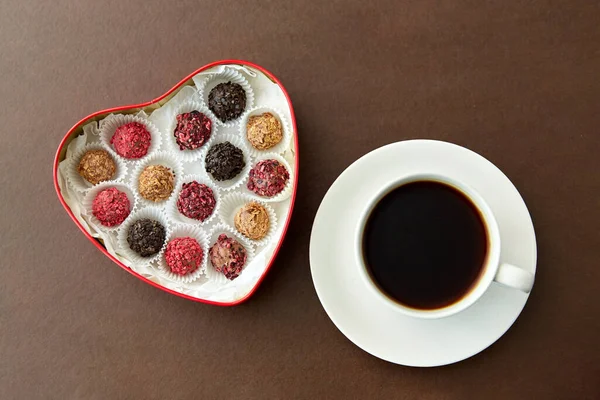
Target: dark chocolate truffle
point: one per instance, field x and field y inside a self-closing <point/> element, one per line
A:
<point x="193" y="130"/>
<point x="96" y="166"/>
<point x="196" y="201"/>
<point x="111" y="207"/>
<point x="146" y="237"/>
<point x="268" y="178"/>
<point x="227" y="101"/>
<point x="131" y="140"/>
<point x="156" y="183"/>
<point x="228" y="256"/>
<point x="224" y="161"/>
<point x="183" y="255"/>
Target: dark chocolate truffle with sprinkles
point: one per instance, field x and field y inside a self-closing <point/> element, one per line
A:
<point x="224" y="161"/>
<point x="193" y="130"/>
<point x="227" y="101"/>
<point x="146" y="237"/>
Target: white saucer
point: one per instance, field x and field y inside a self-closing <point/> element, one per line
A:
<point x="380" y="330"/>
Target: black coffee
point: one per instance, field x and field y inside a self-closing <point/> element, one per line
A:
<point x="425" y="244"/>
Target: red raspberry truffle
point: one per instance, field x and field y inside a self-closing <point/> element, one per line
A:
<point x="196" y="201"/>
<point x="268" y="178"/>
<point x="111" y="207"/>
<point x="131" y="140"/>
<point x="228" y="256"/>
<point x="193" y="130"/>
<point x="183" y="255"/>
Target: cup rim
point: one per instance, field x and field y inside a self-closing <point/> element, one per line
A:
<point x="491" y="262"/>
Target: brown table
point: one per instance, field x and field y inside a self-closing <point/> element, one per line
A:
<point x="515" y="81"/>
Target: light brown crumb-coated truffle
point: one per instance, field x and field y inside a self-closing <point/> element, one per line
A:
<point x="96" y="166"/>
<point x="252" y="221"/>
<point x="156" y="183"/>
<point x="264" y="131"/>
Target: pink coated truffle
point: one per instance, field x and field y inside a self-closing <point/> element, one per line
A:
<point x="111" y="207"/>
<point x="131" y="140"/>
<point x="183" y="255"/>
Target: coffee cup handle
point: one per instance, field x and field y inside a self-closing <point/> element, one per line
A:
<point x="514" y="277"/>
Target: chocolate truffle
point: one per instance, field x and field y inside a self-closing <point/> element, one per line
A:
<point x="193" y="130"/>
<point x="264" y="131"/>
<point x="146" y="237"/>
<point x="224" y="161"/>
<point x="196" y="201"/>
<point x="227" y="101"/>
<point x="131" y="140"/>
<point x="252" y="221"/>
<point x="183" y="255"/>
<point x="156" y="183"/>
<point x="228" y="256"/>
<point x="111" y="207"/>
<point x="268" y="178"/>
<point x="96" y="166"/>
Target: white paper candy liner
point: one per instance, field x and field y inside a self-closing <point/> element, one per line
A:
<point x="171" y="144"/>
<point x="153" y="213"/>
<point x="77" y="182"/>
<point x="242" y="176"/>
<point x="91" y="194"/>
<point x="228" y="75"/>
<point x="179" y="231"/>
<point x="163" y="158"/>
<point x="178" y="218"/>
<point x="230" y="206"/>
<point x="109" y="125"/>
<point x="287" y="190"/>
<point x="211" y="273"/>
<point x="280" y="147"/>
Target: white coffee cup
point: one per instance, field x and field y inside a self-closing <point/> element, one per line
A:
<point x="493" y="270"/>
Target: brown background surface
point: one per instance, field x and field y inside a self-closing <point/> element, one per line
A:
<point x="515" y="81"/>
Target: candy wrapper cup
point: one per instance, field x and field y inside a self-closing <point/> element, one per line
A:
<point x="77" y="182"/>
<point x="211" y="273"/>
<point x="228" y="75"/>
<point x="179" y="231"/>
<point x="176" y="217"/>
<point x="287" y="190"/>
<point x="109" y="125"/>
<point x="152" y="213"/>
<point x="233" y="202"/>
<point x="171" y="144"/>
<point x="280" y="147"/>
<point x="91" y="194"/>
<point x="163" y="158"/>
<point x="242" y="176"/>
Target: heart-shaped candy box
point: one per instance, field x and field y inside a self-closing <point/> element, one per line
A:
<point x="264" y="93"/>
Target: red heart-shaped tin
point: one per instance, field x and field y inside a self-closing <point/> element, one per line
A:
<point x="270" y="252"/>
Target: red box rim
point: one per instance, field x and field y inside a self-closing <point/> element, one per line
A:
<point x="146" y="104"/>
